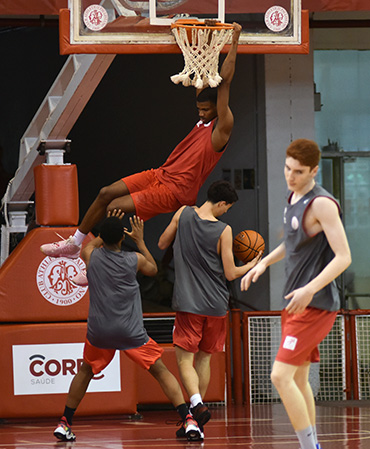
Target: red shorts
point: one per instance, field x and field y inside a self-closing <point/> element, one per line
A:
<point x="149" y="195"/>
<point x="199" y="332"/>
<point x="302" y="334"/>
<point x="99" y="358"/>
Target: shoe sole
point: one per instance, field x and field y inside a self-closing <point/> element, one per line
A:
<point x="62" y="437"/>
<point x="56" y="257"/>
<point x="194" y="435"/>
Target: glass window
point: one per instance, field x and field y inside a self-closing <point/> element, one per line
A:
<point x="342" y="79"/>
<point x="343" y="133"/>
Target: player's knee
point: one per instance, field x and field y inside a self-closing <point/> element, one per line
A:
<point x="276" y="379"/>
<point x="301" y="383"/>
<point x="106" y="194"/>
<point x="203" y="357"/>
<point x="86" y="370"/>
<point x="157" y="368"/>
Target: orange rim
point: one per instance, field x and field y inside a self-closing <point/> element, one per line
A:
<point x="190" y="23"/>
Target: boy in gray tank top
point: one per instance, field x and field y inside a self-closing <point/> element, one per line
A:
<point x="203" y="258"/>
<point x="115" y="320"/>
<point x="316" y="252"/>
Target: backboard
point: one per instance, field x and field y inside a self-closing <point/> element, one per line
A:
<point x="143" y="26"/>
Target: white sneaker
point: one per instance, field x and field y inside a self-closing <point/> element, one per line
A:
<point x="64" y="248"/>
<point x="80" y="279"/>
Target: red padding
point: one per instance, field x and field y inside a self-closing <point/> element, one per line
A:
<point x="56" y="195"/>
<point x="50" y="364"/>
<point x="34" y="287"/>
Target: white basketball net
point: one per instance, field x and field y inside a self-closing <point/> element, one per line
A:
<point x="201" y="55"/>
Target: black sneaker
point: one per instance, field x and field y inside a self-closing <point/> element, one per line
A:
<point x="201" y="414"/>
<point x="180" y="433"/>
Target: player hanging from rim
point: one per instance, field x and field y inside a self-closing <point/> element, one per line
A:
<point x="178" y="180"/>
<point x="316" y="252"/>
<point x="115" y="320"/>
<point x="203" y="257"/>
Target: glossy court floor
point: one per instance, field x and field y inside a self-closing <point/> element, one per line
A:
<point x="260" y="427"/>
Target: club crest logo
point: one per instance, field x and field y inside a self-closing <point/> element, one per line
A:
<point x="53" y="278"/>
<point x="276" y="18"/>
<point x="95" y="17"/>
<point x="295" y="223"/>
<point x="290" y="343"/>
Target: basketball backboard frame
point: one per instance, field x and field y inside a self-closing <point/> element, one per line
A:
<point x="155" y="20"/>
<point x="74" y="38"/>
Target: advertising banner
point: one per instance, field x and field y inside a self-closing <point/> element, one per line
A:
<point x="50" y="368"/>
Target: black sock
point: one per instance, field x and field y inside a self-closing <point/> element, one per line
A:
<point x="183" y="411"/>
<point x="68" y="414"/>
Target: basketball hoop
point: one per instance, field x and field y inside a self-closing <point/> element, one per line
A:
<point x="201" y="44"/>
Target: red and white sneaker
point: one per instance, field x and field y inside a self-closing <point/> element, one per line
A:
<point x="192" y="430"/>
<point x="64" y="432"/>
<point x="64" y="248"/>
<point x="80" y="279"/>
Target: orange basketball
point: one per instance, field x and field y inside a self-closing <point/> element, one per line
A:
<point x="247" y="245"/>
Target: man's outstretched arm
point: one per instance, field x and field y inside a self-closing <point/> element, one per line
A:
<point x="225" y="122"/>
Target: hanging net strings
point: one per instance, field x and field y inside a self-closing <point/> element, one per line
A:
<point x="201" y="53"/>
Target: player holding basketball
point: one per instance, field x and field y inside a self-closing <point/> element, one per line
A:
<point x="203" y="257"/>
<point x="179" y="179"/>
<point x="115" y="320"/>
<point x="316" y="252"/>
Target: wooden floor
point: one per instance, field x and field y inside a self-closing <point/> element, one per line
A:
<point x="259" y="427"/>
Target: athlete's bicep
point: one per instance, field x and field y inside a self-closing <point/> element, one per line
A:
<point x="327" y="215"/>
<point x="222" y="132"/>
<point x="145" y="266"/>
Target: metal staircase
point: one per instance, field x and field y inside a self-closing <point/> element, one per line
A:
<point x="48" y="131"/>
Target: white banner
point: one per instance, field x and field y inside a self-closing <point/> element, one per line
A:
<point x="49" y="369"/>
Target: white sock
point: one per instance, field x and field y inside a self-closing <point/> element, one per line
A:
<point x="315" y="434"/>
<point x="79" y="237"/>
<point x="306" y="438"/>
<point x="195" y="399"/>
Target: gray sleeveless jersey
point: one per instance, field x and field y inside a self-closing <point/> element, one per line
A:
<point x="307" y="256"/>
<point x="200" y="285"/>
<point x="115" y="314"/>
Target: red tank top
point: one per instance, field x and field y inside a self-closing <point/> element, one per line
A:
<point x="190" y="163"/>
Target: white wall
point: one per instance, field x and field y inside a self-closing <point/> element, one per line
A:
<point x="289" y="116"/>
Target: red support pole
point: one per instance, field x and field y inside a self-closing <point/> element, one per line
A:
<point x="348" y="329"/>
<point x="229" y="388"/>
<point x="352" y="364"/>
<point x="247" y="381"/>
<point x="237" y="357"/>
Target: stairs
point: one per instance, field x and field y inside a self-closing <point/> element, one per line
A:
<point x="50" y="126"/>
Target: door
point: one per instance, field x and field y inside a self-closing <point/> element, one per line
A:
<point x="346" y="174"/>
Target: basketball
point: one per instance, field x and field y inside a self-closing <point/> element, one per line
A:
<point x="247" y="245"/>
